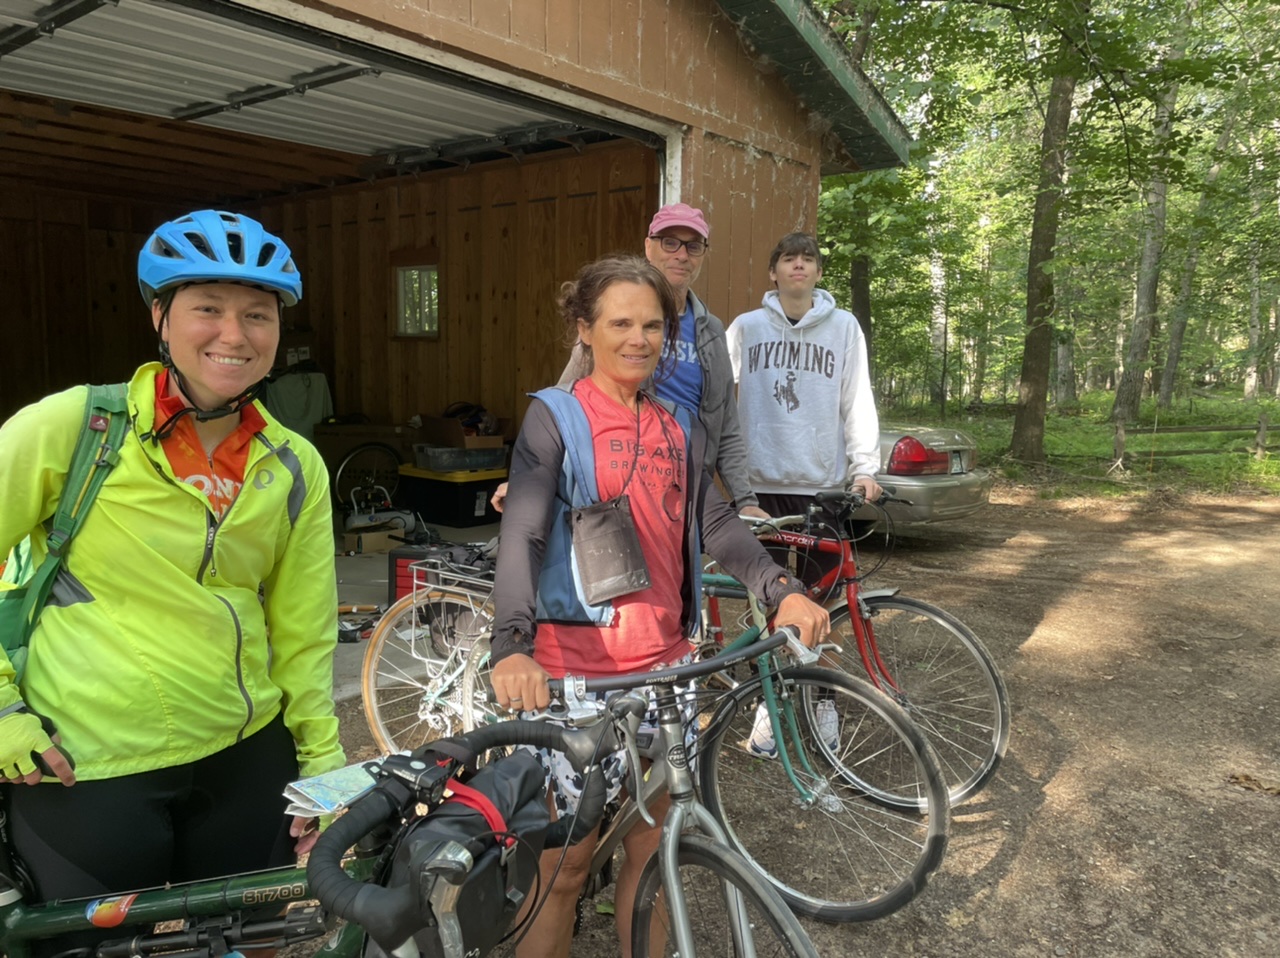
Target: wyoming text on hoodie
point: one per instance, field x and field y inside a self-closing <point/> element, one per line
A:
<point x="804" y="397"/>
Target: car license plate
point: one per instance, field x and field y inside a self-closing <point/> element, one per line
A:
<point x="957" y="464"/>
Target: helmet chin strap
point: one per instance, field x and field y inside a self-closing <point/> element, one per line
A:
<point x="230" y="408"/>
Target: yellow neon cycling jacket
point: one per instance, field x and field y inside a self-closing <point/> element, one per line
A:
<point x="171" y="635"/>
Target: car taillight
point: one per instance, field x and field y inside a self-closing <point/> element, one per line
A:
<point x="910" y="457"/>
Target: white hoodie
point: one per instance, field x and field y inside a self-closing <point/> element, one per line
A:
<point x="804" y="397"/>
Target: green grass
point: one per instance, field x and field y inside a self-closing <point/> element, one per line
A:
<point x="1078" y="447"/>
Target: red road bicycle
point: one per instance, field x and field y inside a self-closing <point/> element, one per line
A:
<point x="925" y="659"/>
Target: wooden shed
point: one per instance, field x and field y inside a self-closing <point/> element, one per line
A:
<point x="478" y="150"/>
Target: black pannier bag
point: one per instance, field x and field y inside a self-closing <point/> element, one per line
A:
<point x="474" y="833"/>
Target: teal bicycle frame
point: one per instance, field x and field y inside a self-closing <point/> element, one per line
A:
<point x="778" y="707"/>
<point x="205" y="908"/>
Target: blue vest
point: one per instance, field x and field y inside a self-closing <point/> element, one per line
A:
<point x="560" y="596"/>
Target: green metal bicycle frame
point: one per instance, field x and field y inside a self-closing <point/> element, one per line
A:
<point x="777" y="710"/>
<point x="22" y="923"/>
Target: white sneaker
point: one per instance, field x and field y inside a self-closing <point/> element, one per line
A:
<point x="761" y="742"/>
<point x="828" y="723"/>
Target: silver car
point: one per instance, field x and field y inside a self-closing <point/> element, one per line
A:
<point x="935" y="469"/>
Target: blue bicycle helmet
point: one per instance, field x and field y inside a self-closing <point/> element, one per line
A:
<point x="219" y="247"/>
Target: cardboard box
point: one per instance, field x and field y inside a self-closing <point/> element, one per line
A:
<point x="373" y="539"/>
<point x="441" y="431"/>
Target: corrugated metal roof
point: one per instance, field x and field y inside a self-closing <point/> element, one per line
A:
<point x="162" y="59"/>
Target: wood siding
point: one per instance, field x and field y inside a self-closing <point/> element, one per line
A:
<point x="71" y="311"/>
<point x="507" y="235"/>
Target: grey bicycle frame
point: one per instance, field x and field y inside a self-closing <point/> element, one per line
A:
<point x="670" y="771"/>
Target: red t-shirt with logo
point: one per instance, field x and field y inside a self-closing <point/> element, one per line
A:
<point x="220" y="475"/>
<point x="647" y="627"/>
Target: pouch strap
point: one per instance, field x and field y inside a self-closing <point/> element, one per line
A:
<point x="479" y="802"/>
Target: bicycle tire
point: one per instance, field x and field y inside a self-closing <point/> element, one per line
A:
<point x="367" y="465"/>
<point x="705" y="869"/>
<point x="410" y="680"/>
<point x="946" y="680"/>
<point x="838" y="855"/>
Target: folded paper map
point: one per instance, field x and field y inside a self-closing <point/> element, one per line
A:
<point x="330" y="792"/>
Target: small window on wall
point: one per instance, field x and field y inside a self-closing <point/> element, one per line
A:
<point x="418" y="301"/>
<point x="415" y="293"/>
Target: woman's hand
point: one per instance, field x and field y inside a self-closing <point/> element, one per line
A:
<point x="499" y="497"/>
<point x="306" y="829"/>
<point x="28" y="752"/>
<point x="812" y="619"/>
<point x="520" y="684"/>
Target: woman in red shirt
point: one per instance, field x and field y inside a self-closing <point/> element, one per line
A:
<point x="623" y="311"/>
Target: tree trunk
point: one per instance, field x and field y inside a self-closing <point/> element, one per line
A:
<point x="1064" y="387"/>
<point x="860" y="300"/>
<point x="1033" y="386"/>
<point x="938" y="334"/>
<point x="1129" y="392"/>
<point x="1275" y="354"/>
<point x="1181" y="310"/>
<point x="1255" y="325"/>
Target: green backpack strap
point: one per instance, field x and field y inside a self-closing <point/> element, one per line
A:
<point x="102" y="433"/>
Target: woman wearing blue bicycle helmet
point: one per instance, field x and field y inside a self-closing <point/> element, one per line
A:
<point x="185" y="658"/>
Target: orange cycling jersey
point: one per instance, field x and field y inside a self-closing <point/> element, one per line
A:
<point x="220" y="475"/>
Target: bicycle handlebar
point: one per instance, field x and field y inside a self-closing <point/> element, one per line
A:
<point x="676" y="673"/>
<point x="392" y="915"/>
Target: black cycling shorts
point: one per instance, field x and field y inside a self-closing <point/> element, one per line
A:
<point x="217" y="816"/>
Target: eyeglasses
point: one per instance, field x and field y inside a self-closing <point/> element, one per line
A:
<point x="672" y="244"/>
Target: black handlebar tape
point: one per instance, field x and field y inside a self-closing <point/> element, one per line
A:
<point x="388" y="915"/>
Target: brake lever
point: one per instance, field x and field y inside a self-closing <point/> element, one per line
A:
<point x="627" y="711"/>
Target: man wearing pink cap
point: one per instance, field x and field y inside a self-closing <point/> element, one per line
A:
<point x="700" y="378"/>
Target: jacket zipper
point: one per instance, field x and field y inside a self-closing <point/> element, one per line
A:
<point x="207" y="562"/>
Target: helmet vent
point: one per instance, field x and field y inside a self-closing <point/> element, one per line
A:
<point x="160" y="248"/>
<point x="267" y="251"/>
<point x="235" y="246"/>
<point x="201" y="244"/>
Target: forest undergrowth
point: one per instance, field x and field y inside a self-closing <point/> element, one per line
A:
<point x="1079" y="446"/>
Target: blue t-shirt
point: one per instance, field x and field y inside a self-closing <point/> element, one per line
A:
<point x="681" y="382"/>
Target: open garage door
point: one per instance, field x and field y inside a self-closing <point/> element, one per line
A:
<point x="150" y="100"/>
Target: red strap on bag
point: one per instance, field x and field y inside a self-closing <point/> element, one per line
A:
<point x="479" y="802"/>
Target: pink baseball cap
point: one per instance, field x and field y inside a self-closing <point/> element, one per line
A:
<point x="679" y="214"/>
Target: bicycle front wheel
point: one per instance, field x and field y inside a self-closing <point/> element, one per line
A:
<point x="709" y="875"/>
<point x="411" y="681"/>
<point x="932" y="665"/>
<point x="832" y="850"/>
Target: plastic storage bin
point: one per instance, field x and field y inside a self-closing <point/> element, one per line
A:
<point x="456" y="459"/>
<point x="457" y="499"/>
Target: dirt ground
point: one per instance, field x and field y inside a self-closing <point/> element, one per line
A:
<point x="1136" y="811"/>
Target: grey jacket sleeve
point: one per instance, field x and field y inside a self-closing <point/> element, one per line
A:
<point x="527" y="515"/>
<point x="731" y="448"/>
<point x="728" y="540"/>
<point x="731" y="458"/>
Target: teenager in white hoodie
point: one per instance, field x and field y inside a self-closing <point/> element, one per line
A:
<point x="804" y="390"/>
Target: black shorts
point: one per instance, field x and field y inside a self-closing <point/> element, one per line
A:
<point x="217" y="816"/>
<point x="809" y="564"/>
